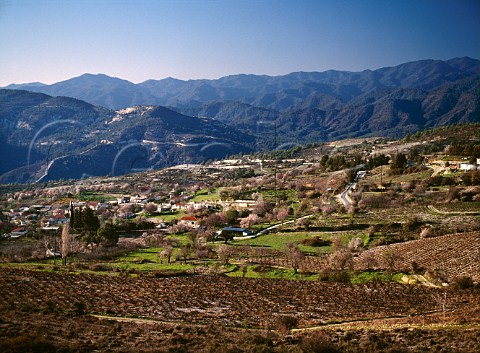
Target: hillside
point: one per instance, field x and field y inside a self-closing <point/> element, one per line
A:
<point x="60" y="137"/>
<point x="57" y="137"/>
<point x="352" y="248"/>
<point x="392" y="113"/>
<point x="452" y="255"/>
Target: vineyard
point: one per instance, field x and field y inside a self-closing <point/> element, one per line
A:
<point x="41" y="311"/>
<point x="453" y="255"/>
<point x="219" y="300"/>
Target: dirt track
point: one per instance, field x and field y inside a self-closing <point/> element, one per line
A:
<point x="221" y="300"/>
<point x="46" y="311"/>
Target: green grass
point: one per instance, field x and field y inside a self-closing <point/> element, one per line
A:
<point x="375" y="276"/>
<point x="289" y="195"/>
<point x="277" y="241"/>
<point x="203" y="195"/>
<point x="272" y="273"/>
<point x="95" y="196"/>
<point x="150" y="254"/>
<point x="169" y="217"/>
<point x="459" y="207"/>
<point x="156" y="266"/>
<point x="375" y="177"/>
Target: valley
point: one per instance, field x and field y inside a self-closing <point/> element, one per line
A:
<point x="253" y="253"/>
<point x="86" y="125"/>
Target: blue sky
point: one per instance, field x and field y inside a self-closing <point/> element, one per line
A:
<point x="53" y="40"/>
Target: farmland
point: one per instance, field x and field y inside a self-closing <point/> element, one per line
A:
<point x="200" y="303"/>
<point x="393" y="267"/>
<point x="451" y="256"/>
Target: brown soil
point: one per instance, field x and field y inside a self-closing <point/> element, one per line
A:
<point x="50" y="311"/>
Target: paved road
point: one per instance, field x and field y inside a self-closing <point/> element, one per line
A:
<point x="263" y="231"/>
<point x="343" y="197"/>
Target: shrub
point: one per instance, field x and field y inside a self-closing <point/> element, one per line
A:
<point x="331" y="275"/>
<point x="285" y="323"/>
<point x="416" y="268"/>
<point x="412" y="223"/>
<point x="317" y="343"/>
<point x="316" y="242"/>
<point x="100" y="267"/>
<point x="375" y="201"/>
<point x="339" y="276"/>
<point x="425" y="233"/>
<point x="463" y="282"/>
<point x="79" y="308"/>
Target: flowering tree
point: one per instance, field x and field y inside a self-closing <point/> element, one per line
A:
<point x="249" y="221"/>
<point x="294" y="255"/>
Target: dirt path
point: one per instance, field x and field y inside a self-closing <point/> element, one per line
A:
<point x="453" y="213"/>
<point x="263" y="231"/>
<point x="131" y="319"/>
<point x="389" y="323"/>
<point x="150" y="321"/>
<point x="424" y="282"/>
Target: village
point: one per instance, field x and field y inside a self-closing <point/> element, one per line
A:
<point x="180" y="206"/>
<point x="362" y="227"/>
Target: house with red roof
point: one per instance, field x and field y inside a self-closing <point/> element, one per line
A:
<point x="190" y="221"/>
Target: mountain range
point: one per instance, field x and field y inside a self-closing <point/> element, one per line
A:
<point x="149" y="122"/>
<point x="272" y="92"/>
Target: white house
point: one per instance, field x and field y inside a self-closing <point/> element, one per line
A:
<point x="190" y="221"/>
<point x="467" y="166"/>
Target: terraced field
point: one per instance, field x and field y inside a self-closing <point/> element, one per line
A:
<point x="220" y="300"/>
<point x="68" y="312"/>
<point x="454" y="255"/>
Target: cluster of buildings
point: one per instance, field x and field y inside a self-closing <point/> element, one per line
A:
<point x="26" y="218"/>
<point x="30" y="218"/>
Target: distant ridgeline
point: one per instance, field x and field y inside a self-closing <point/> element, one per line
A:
<point x="111" y="126"/>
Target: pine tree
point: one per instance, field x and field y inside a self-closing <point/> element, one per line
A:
<point x="72" y="216"/>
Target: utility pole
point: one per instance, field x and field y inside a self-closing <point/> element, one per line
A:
<point x="276" y="161"/>
<point x="55" y="247"/>
<point x="381" y="176"/>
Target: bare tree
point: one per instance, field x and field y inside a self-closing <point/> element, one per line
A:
<point x="368" y="260"/>
<point x="185" y="252"/>
<point x="392" y="260"/>
<point x="305" y="223"/>
<point x="355" y="244"/>
<point x="151" y="208"/>
<point x="215" y="220"/>
<point x="426" y="233"/>
<point x="352" y="210"/>
<point x="166" y="254"/>
<point x="282" y="215"/>
<point x="66" y="243"/>
<point x="342" y="257"/>
<point x="294" y="255"/>
<point x="225" y="253"/>
<point x="249" y="221"/>
<point x="327" y="210"/>
<point x="442" y="302"/>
